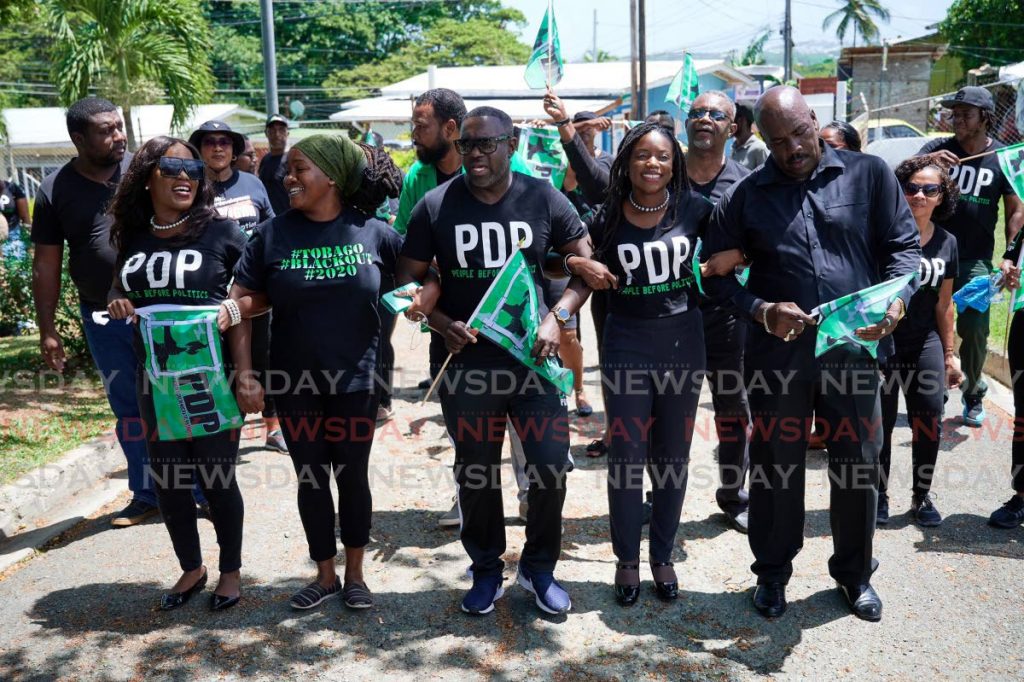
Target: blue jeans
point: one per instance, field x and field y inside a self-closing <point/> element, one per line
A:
<point x="111" y="347"/>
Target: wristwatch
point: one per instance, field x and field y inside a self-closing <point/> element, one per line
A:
<point x="562" y="315"/>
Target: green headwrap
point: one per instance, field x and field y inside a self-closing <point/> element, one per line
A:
<point x="341" y="159"/>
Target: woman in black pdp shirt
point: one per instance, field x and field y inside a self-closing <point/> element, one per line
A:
<point x="172" y="248"/>
<point x="319" y="266"/>
<point x="653" y="347"/>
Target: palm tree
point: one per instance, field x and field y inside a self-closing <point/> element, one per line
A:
<point x="132" y="51"/>
<point x="859" y="14"/>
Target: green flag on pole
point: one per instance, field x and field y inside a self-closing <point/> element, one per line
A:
<point x="508" y="315"/>
<point x="185" y="366"/>
<point x="1011" y="160"/>
<point x="541" y="151"/>
<point x="685" y="86"/>
<point x="838" y="319"/>
<point x="544" y="69"/>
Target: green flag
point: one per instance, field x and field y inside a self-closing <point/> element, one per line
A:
<point x="508" y="316"/>
<point x="185" y="365"/>
<point x="695" y="265"/>
<point x="838" y="319"/>
<point x="685" y="86"/>
<point x="544" y="70"/>
<point x="541" y="151"/>
<point x="1011" y="160"/>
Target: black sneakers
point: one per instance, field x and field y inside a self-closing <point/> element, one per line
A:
<point x="882" y="515"/>
<point x="925" y="513"/>
<point x="135" y="513"/>
<point x="1010" y="515"/>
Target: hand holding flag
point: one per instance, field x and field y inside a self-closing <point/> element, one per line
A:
<point x="860" y="318"/>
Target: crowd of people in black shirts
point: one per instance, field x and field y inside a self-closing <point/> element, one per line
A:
<point x="298" y="258"/>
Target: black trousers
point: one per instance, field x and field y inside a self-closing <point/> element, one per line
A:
<point x="1015" y="349"/>
<point x="330" y="436"/>
<point x="920" y="369"/>
<point x="261" y="359"/>
<point x="652" y="371"/>
<point x="725" y="336"/>
<point x="842" y="391"/>
<point x="476" y="403"/>
<point x="176" y="467"/>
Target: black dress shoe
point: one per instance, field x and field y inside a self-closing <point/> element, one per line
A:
<point x="173" y="600"/>
<point x="668" y="586"/>
<point x="626" y="593"/>
<point x="863" y="601"/>
<point x="219" y="602"/>
<point x="770" y="599"/>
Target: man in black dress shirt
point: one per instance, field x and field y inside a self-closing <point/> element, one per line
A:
<point x="817" y="224"/>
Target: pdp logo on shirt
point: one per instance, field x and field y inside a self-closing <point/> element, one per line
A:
<point x="493" y="240"/>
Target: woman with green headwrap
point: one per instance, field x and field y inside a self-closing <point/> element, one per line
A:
<point x="319" y="266"/>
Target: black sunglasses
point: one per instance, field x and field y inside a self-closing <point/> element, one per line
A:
<point x="486" y="145"/>
<point x="714" y="114"/>
<point x="930" y="190"/>
<point x="171" y="167"/>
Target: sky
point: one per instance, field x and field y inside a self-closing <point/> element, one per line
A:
<point x="711" y="26"/>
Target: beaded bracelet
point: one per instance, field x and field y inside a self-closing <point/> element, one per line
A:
<point x="234" y="313"/>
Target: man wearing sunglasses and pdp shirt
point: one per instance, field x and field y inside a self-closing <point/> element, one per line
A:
<point x="71" y="207"/>
<point x="471" y="225"/>
<point x="243" y="198"/>
<point x="982" y="183"/>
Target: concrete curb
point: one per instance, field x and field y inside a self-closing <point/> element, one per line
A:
<point x="51" y="488"/>
<point x="998" y="367"/>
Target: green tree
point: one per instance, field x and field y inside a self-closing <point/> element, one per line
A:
<point x="133" y="51"/>
<point x="475" y="42"/>
<point x="985" y="31"/>
<point x="602" y="56"/>
<point x="754" y="54"/>
<point x="859" y="15"/>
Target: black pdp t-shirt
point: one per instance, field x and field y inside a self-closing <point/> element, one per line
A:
<point x="272" y="176"/>
<point x="729" y="175"/>
<point x="654" y="265"/>
<point x="982" y="184"/>
<point x="243" y="198"/>
<point x="472" y="240"/>
<point x="10" y="193"/>
<point x="70" y="207"/>
<point x="939" y="258"/>
<point x="323" y="280"/>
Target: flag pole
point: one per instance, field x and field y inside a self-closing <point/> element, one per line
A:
<point x="679" y="104"/>
<point x="437" y="379"/>
<point x="978" y="156"/>
<point x="550" y="23"/>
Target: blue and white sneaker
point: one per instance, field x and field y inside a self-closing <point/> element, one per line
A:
<point x="481" y="597"/>
<point x="550" y="596"/>
<point x="974" y="412"/>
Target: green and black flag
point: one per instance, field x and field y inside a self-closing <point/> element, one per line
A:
<point x="544" y="70"/>
<point x="685" y="86"/>
<point x="838" y="320"/>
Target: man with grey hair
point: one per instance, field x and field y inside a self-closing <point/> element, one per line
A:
<point x="816" y="224"/>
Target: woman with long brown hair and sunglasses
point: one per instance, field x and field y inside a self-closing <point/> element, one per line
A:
<point x="172" y="248"/>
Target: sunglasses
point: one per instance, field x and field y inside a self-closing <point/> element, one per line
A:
<point x="930" y="190"/>
<point x="217" y="141"/>
<point x="486" y="145"/>
<point x="713" y="114"/>
<point x="171" y="167"/>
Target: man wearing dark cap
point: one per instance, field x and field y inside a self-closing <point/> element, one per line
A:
<point x="973" y="224"/>
<point x="241" y="197"/>
<point x="272" y="164"/>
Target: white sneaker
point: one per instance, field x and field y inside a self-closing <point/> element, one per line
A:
<point x="452" y="518"/>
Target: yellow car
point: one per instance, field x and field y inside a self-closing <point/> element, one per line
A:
<point x="887" y="128"/>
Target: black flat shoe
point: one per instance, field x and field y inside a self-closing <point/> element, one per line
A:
<point x="863" y="601"/>
<point x="626" y="593"/>
<point x="219" y="602"/>
<point x="665" y="582"/>
<point x="770" y="599"/>
<point x="173" y="600"/>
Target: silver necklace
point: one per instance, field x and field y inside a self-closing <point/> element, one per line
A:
<point x="163" y="228"/>
<point x="650" y="209"/>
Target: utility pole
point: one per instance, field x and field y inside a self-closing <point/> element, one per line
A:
<point x="787" y="38"/>
<point x="594" y="53"/>
<point x="642" y="52"/>
<point x="269" y="56"/>
<point x="633" y="94"/>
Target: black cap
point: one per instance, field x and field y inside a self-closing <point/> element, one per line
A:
<point x="237" y="139"/>
<point x="973" y="95"/>
<point x="582" y="116"/>
<point x="276" y="118"/>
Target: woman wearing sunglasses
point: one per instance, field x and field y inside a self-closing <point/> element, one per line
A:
<point x="319" y="265"/>
<point x="172" y="248"/>
<point x="653" y="347"/>
<point x="924" y="364"/>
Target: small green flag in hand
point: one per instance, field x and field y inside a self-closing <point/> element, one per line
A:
<point x="508" y="316"/>
<point x="839" y="319"/>
<point x="685" y="86"/>
<point x="541" y="151"/>
<point x="544" y="69"/>
<point x="1011" y="160"/>
<point x="185" y="367"/>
